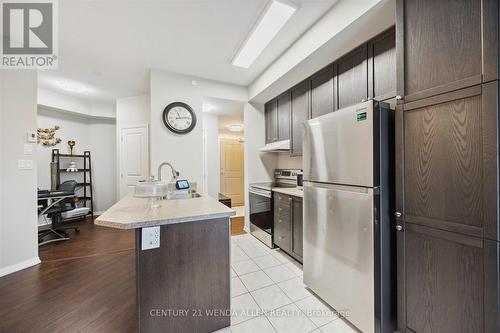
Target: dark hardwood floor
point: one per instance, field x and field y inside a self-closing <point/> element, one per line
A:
<point x="86" y="284"/>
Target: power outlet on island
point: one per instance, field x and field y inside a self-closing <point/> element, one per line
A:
<point x="150" y="238"/>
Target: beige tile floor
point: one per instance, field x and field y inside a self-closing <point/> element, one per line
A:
<point x="267" y="294"/>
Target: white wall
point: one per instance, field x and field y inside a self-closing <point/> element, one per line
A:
<point x="103" y="148"/>
<point x="130" y="112"/>
<point x="95" y="135"/>
<point x="211" y="171"/>
<point x="18" y="212"/>
<point x="285" y="161"/>
<point x="259" y="167"/>
<point x="72" y="128"/>
<point x="184" y="151"/>
<point x="55" y="100"/>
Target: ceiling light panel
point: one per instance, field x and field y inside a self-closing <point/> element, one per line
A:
<point x="277" y="13"/>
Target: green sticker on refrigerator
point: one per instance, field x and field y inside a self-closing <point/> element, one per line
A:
<point x="361" y="116"/>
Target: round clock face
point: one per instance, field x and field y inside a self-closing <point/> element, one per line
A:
<point x="179" y="118"/>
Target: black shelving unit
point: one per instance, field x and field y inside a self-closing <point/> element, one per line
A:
<point x="87" y="197"/>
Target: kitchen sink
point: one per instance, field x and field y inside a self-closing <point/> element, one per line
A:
<point x="177" y="196"/>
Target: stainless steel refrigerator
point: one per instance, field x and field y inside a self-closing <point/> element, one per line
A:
<point x="348" y="199"/>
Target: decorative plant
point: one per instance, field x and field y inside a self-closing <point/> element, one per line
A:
<point x="46" y="136"/>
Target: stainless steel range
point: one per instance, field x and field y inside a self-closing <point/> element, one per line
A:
<point x="261" y="204"/>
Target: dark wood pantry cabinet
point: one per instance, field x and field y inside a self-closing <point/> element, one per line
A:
<point x="447" y="209"/>
<point x="447" y="166"/>
<point x="445" y="45"/>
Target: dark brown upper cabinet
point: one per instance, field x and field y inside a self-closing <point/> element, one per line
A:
<point x="382" y="66"/>
<point x="445" y="45"/>
<point x="322" y="92"/>
<point x="283" y="102"/>
<point x="352" y="77"/>
<point x="300" y="114"/>
<point x="447" y="174"/>
<point x="271" y="118"/>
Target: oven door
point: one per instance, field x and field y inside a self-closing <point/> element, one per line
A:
<point x="261" y="215"/>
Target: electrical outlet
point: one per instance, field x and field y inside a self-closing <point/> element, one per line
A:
<point x="150" y="238"/>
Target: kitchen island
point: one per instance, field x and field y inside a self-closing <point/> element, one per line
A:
<point x="184" y="284"/>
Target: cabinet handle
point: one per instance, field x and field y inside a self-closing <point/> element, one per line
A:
<point x="399" y="97"/>
<point x="280" y="209"/>
<point x="399" y="228"/>
<point x="398" y="214"/>
<point x="280" y="220"/>
<point x="282" y="237"/>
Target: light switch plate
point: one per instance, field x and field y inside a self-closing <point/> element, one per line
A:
<point x="25" y="164"/>
<point x="150" y="238"/>
<point x="28" y="149"/>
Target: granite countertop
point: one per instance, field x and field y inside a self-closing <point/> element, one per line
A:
<point x="293" y="191"/>
<point x="131" y="212"/>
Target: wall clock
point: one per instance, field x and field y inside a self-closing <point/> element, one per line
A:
<point x="179" y="118"/>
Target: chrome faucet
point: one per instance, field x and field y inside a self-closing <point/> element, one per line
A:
<point x="175" y="173"/>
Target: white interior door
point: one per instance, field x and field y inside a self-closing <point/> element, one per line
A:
<point x="134" y="157"/>
<point x="231" y="179"/>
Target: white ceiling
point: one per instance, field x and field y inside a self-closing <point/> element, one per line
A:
<point x="109" y="45"/>
<point x="222" y="107"/>
<point x="228" y="111"/>
<point x="226" y="121"/>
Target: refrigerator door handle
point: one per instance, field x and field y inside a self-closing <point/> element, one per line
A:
<point x="339" y="187"/>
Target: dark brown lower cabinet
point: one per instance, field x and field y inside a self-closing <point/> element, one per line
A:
<point x="288" y="224"/>
<point x="448" y="282"/>
<point x="297" y="225"/>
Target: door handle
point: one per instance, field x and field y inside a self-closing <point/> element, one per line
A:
<point x="399" y="227"/>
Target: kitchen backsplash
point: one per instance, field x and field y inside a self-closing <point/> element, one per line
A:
<point x="285" y="161"/>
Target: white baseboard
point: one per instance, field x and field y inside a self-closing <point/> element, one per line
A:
<point x="19" y="266"/>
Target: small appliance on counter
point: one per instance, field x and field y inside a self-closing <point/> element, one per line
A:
<point x="300" y="180"/>
<point x="261" y="204"/>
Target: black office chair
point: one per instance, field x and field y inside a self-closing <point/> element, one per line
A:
<point x="65" y="205"/>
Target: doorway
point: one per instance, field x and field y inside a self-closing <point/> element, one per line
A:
<point x="223" y="161"/>
<point x="231" y="170"/>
